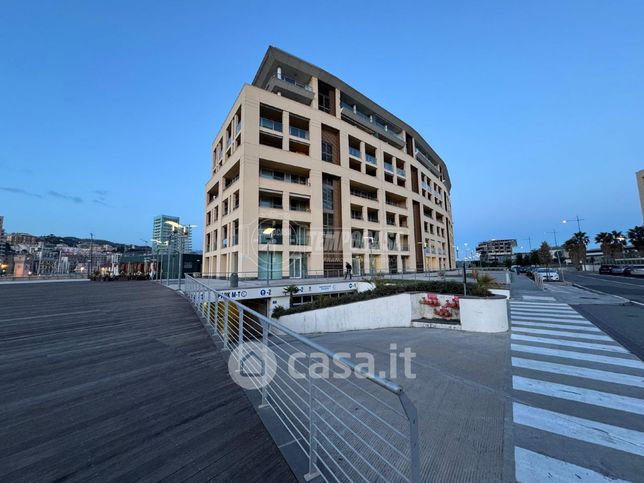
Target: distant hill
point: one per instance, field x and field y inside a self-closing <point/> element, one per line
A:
<point x="73" y="241"/>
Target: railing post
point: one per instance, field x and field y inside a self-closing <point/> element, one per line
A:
<point x="265" y="328"/>
<point x="314" y="472"/>
<point x="209" y="319"/>
<point x="217" y="312"/>
<point x="241" y="324"/>
<point x="226" y="303"/>
<point x="412" y="417"/>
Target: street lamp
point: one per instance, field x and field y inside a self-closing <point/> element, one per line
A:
<point x="577" y="219"/>
<point x="269" y="233"/>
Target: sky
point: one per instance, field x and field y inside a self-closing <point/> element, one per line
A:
<point x="108" y="109"/>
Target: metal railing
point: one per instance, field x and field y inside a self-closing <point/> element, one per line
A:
<point x="298" y="132"/>
<point x="351" y="424"/>
<point x="371" y="159"/>
<point x="294" y="82"/>
<point x="355" y="152"/>
<point x="270" y="124"/>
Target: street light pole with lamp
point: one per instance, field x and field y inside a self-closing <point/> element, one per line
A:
<point x="577" y="219"/>
<point x="180" y="233"/>
<point x="269" y="262"/>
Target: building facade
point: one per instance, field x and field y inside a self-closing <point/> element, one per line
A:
<point x="161" y="232"/>
<point x="308" y="175"/>
<point x="496" y="250"/>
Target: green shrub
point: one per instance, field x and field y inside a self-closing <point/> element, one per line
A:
<point x="384" y="289"/>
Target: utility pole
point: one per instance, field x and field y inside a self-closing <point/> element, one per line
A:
<point x="578" y="220"/>
<point x="91" y="248"/>
<point x="554" y="234"/>
<point x="529" y="239"/>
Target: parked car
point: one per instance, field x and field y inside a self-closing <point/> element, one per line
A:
<point x="629" y="269"/>
<point x="606" y="269"/>
<point x="637" y="271"/>
<point x="548" y="274"/>
<point x="617" y="269"/>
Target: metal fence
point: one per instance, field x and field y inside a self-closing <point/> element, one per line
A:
<point x="351" y="424"/>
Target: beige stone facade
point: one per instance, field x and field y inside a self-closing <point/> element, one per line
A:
<point x="309" y="175"/>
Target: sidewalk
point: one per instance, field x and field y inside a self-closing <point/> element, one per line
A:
<point x="523" y="288"/>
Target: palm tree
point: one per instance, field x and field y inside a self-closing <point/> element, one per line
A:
<point x="636" y="237"/>
<point x="619" y="243"/>
<point x="605" y="241"/>
<point x="576" y="247"/>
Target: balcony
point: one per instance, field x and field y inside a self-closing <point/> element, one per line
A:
<point x="270" y="124"/>
<point x="392" y="246"/>
<point x="371" y="159"/>
<point x="427" y="162"/>
<point x="389" y="167"/>
<point x="371" y="125"/>
<point x="364" y="194"/>
<point x="298" y="132"/>
<point x="291" y="88"/>
<point x="355" y="152"/>
<point x="373" y="219"/>
<point x="401" y="172"/>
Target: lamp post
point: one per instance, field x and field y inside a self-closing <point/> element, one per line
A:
<point x="180" y="233"/>
<point x="577" y="219"/>
<point x="269" y="232"/>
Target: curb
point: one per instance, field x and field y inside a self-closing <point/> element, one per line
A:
<point x="599" y="292"/>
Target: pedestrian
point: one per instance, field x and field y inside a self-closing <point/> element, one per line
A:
<point x="348" y="272"/>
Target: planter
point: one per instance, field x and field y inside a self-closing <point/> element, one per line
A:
<point x="488" y="314"/>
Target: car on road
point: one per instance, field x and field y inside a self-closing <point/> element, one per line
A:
<point x="617" y="269"/>
<point x="548" y="274"/>
<point x="637" y="271"/>
<point x="605" y="269"/>
<point x="628" y="271"/>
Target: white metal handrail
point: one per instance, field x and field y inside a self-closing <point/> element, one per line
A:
<point x="350" y="428"/>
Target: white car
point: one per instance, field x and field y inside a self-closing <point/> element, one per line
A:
<point x="637" y="271"/>
<point x="548" y="274"/>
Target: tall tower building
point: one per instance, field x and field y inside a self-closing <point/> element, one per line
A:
<point x="161" y="231"/>
<point x="308" y="174"/>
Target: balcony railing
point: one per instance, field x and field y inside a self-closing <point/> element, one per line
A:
<point x="358" y="243"/>
<point x="372" y="123"/>
<point x="300" y="240"/>
<point x="270" y="124"/>
<point x="364" y="194"/>
<point x="401" y="172"/>
<point x="238" y="128"/>
<point x="392" y="246"/>
<point x="373" y="219"/>
<point x="391" y="222"/>
<point x="389" y="167"/>
<point x="371" y="159"/>
<point x="355" y="152"/>
<point x="395" y="203"/>
<point x="297" y="83"/>
<point x="356" y="215"/>
<point x="298" y="132"/>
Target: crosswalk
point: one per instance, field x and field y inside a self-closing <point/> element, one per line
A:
<point x="578" y="407"/>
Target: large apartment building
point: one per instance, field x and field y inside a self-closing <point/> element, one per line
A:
<point x="308" y="174"/>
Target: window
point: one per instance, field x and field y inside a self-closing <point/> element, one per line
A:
<point x="324" y="102"/>
<point x="327" y="151"/>
<point x="327" y="197"/>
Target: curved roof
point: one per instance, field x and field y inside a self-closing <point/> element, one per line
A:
<point x="274" y="55"/>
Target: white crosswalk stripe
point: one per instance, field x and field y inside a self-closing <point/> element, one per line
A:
<point x="536" y="325"/>
<point x="570" y="343"/>
<point x="585" y="379"/>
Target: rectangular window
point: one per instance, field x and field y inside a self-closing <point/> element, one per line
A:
<point x="327" y="152"/>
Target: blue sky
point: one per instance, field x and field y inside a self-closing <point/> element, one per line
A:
<point x="108" y="109"/>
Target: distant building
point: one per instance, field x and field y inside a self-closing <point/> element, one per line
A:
<point x="3" y="245"/>
<point x="161" y="231"/>
<point x="495" y="250"/>
<point x="640" y="186"/>
<point x="22" y="239"/>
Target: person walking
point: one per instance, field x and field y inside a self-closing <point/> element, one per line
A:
<point x="348" y="271"/>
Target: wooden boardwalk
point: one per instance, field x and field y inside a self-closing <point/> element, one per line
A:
<point x="119" y="381"/>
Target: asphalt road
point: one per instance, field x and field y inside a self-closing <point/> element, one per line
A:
<point x="624" y="323"/>
<point x="630" y="288"/>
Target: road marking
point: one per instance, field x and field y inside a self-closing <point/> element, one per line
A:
<point x="521" y="313"/>
<point x="579" y="394"/>
<point x="611" y="281"/>
<point x="607" y="435"/>
<point x="579" y="356"/>
<point x="571" y="343"/>
<point x="561" y="333"/>
<point x="536" y="325"/>
<point x="536" y="468"/>
<point x="537" y="304"/>
<point x="550" y="319"/>
<point x="541" y="310"/>
<point x="534" y="297"/>
<point x="576" y="371"/>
